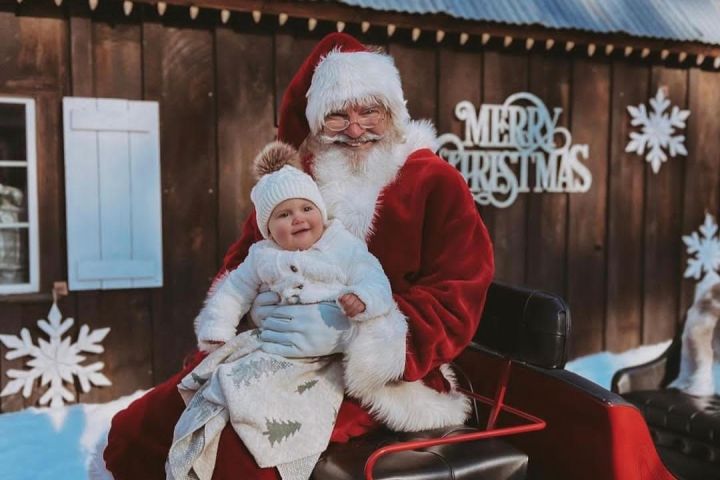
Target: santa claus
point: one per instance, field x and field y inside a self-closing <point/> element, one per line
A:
<point x="345" y="111"/>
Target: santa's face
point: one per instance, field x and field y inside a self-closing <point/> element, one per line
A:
<point x="296" y="224"/>
<point x="356" y="128"/>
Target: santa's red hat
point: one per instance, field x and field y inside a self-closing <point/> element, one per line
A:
<point x="340" y="71"/>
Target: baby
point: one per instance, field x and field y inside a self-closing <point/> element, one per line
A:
<point x="283" y="409"/>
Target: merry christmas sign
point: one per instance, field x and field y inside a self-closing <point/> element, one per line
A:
<point x="516" y="147"/>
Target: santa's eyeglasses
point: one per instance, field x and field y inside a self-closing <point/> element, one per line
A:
<point x="366" y="120"/>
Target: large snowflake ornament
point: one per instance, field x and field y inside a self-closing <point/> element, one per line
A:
<point x="55" y="362"/>
<point x="658" y="130"/>
<point x="706" y="250"/>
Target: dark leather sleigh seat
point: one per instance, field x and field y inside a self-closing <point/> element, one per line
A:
<point x="483" y="459"/>
<point x="527" y="326"/>
<point x="685" y="429"/>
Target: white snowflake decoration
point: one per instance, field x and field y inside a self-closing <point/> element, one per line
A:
<point x="658" y="129"/>
<point x="55" y="362"/>
<point x="706" y="251"/>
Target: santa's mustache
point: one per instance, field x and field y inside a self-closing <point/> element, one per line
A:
<point x="344" y="139"/>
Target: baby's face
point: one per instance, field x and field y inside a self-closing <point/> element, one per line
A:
<point x="296" y="224"/>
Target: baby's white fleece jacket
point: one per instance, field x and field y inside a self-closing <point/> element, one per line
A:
<point x="338" y="263"/>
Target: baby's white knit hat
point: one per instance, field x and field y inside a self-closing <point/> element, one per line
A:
<point x="279" y="181"/>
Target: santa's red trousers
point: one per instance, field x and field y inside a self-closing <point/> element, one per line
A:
<point x="140" y="436"/>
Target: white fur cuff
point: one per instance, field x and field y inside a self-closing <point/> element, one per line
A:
<point x="376" y="353"/>
<point x="412" y="406"/>
<point x="374" y="366"/>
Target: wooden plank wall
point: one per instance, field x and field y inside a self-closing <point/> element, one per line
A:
<point x="614" y="252"/>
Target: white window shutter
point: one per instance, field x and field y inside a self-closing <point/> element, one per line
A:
<point x="112" y="193"/>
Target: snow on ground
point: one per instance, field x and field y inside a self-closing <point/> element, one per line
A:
<point x="600" y="367"/>
<point x="44" y="444"/>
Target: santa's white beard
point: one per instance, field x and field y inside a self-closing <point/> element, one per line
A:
<point x="351" y="180"/>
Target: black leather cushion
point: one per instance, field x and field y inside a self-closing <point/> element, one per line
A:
<point x="489" y="459"/>
<point x="688" y="468"/>
<point x="528" y="325"/>
<point x="677" y="421"/>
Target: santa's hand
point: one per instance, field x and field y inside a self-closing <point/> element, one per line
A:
<point x="263" y="306"/>
<point x="314" y="330"/>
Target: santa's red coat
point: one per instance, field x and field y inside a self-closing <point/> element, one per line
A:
<point x="437" y="255"/>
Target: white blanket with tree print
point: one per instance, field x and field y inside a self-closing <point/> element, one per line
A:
<point x="283" y="410"/>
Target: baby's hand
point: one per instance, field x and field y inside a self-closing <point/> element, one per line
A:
<point x="210" y="345"/>
<point x="351" y="304"/>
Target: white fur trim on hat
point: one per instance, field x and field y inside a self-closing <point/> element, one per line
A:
<point x="345" y="78"/>
<point x="284" y="184"/>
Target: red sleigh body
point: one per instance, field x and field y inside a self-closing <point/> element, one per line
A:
<point x="532" y="420"/>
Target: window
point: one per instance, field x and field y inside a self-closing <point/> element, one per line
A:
<point x="19" y="271"/>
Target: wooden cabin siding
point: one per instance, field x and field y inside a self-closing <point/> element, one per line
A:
<point x="614" y="252"/>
